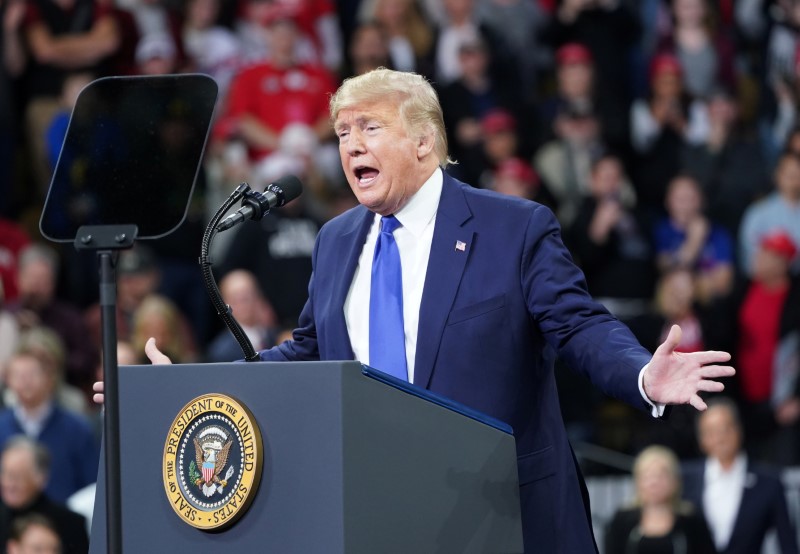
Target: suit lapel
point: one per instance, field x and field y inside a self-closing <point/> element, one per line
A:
<point x="450" y="250"/>
<point x="349" y="245"/>
<point x="750" y="482"/>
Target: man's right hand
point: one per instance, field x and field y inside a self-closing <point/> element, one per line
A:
<point x="153" y="353"/>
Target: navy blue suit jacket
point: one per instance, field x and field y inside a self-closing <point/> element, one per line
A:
<point x="763" y="507"/>
<point x="493" y="318"/>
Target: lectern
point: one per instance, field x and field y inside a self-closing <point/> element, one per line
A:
<point x="353" y="462"/>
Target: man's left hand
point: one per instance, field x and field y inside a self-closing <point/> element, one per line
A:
<point x="677" y="377"/>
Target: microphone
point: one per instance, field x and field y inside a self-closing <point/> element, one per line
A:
<point x="256" y="205"/>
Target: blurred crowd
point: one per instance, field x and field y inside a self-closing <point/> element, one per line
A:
<point x="663" y="133"/>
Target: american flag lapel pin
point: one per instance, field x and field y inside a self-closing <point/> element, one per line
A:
<point x="461" y="246"/>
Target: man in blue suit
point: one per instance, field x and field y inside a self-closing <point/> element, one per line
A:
<point x="490" y="297"/>
<point x="740" y="500"/>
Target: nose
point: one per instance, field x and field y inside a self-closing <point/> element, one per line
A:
<point x="355" y="144"/>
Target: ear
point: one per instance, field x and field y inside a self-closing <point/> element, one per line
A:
<point x="425" y="144"/>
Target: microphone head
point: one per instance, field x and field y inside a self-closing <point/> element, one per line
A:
<point x="286" y="188"/>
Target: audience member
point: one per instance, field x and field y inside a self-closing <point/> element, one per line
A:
<point x="410" y="35"/>
<point x="159" y="317"/>
<point x="211" y="48"/>
<point x="685" y="238"/>
<point x="266" y="98"/>
<point x="283" y="264"/>
<point x="610" y="30"/>
<point x="368" y="49"/>
<point x="612" y="243"/>
<point x="39" y="305"/>
<point x="779" y="210"/>
<point x="577" y="92"/>
<point x="13" y="59"/>
<point x="516" y="177"/>
<point x="500" y="143"/>
<point x="741" y="500"/>
<point x="13" y="240"/>
<point x="9" y="337"/>
<point x="659" y="521"/>
<point x="57" y="129"/>
<point x="466" y="101"/>
<point x="705" y="54"/>
<point x="33" y="534"/>
<point x="156" y="54"/>
<point x="38" y="415"/>
<point x="46" y="345"/>
<point x="729" y="164"/>
<point x="767" y="345"/>
<point x="565" y="163"/>
<point x="240" y="291"/>
<point x="675" y="299"/>
<point x="61" y="36"/>
<point x="25" y="467"/>
<point x="661" y="125"/>
<point x="518" y="25"/>
<point x="138" y="277"/>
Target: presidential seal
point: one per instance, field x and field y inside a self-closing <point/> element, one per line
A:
<point x="212" y="462"/>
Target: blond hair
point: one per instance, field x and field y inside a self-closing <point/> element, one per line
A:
<point x="668" y="457"/>
<point x="417" y="103"/>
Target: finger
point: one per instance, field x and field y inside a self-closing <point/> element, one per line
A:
<point x="710" y="386"/>
<point x="716" y="371"/>
<point x="671" y="342"/>
<point x="698" y="403"/>
<point x="710" y="356"/>
<point x="98" y="386"/>
<point x="154" y="354"/>
<point x="98" y="398"/>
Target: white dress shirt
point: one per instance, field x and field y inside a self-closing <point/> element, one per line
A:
<point x="417" y="219"/>
<point x="722" y="495"/>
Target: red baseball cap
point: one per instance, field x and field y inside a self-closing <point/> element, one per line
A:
<point x="515" y="168"/>
<point x="780" y="243"/>
<point x="665" y="63"/>
<point x="573" y="52"/>
<point x="498" y="121"/>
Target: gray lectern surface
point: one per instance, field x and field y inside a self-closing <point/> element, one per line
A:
<point x="351" y="465"/>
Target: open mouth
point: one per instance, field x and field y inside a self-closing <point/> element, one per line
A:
<point x="365" y="175"/>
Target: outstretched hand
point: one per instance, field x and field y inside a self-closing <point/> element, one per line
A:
<point x="678" y="377"/>
<point x="155" y="356"/>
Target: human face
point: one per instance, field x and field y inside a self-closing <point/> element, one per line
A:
<point x="36" y="284"/>
<point x="720" y="437"/>
<point x="30" y="381"/>
<point x="655" y="482"/>
<point x="383" y="163"/>
<point x="20" y="484"/>
<point x="575" y="80"/>
<point x="683" y="201"/>
<point x="36" y="540"/>
<point x="787" y="178"/>
<point x="606" y="178"/>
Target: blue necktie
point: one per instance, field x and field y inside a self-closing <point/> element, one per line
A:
<point x="387" y="345"/>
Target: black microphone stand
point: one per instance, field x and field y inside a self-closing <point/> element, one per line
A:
<point x="244" y="192"/>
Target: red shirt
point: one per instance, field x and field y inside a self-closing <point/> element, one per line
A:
<point x="12" y="240"/>
<point x="759" y="322"/>
<point x="278" y="97"/>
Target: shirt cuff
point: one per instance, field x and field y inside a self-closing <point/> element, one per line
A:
<point x="656" y="408"/>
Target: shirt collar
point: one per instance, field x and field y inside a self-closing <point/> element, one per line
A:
<point x="33" y="419"/>
<point x="421" y="207"/>
<point x="714" y="469"/>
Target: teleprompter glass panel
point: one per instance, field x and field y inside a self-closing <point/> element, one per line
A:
<point x="131" y="155"/>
